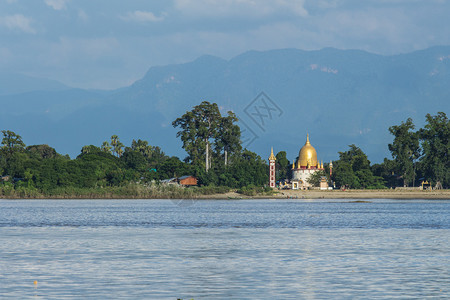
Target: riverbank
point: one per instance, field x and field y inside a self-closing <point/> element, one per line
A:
<point x="138" y="192"/>
<point x="339" y="194"/>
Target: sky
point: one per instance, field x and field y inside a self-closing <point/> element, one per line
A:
<point x="107" y="44"/>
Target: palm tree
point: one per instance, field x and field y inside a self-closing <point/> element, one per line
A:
<point x="106" y="147"/>
<point x="119" y="149"/>
<point x="114" y="143"/>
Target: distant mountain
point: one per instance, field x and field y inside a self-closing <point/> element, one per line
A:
<point x="14" y="83"/>
<point x="340" y="97"/>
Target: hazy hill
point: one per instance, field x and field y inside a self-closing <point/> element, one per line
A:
<point x="339" y="97"/>
<point x="13" y="83"/>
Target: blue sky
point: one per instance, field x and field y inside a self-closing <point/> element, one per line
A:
<point x="109" y="44"/>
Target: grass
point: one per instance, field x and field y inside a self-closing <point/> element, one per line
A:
<point x="131" y="190"/>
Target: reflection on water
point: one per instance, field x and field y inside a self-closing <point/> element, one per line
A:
<point x="224" y="249"/>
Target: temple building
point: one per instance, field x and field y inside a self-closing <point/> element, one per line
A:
<point x="306" y="165"/>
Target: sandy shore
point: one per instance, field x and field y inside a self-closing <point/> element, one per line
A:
<point x="338" y="194"/>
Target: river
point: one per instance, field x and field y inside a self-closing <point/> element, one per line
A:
<point x="230" y="249"/>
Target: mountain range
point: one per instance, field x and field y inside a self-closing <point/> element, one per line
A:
<point x="339" y="97"/>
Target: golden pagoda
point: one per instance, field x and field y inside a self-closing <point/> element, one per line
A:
<point x="307" y="157"/>
<point x="306" y="165"/>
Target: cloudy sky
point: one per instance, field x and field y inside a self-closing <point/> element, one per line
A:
<point x="108" y="44"/>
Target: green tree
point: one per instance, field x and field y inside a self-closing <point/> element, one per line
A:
<point x="353" y="170"/>
<point x="119" y="149"/>
<point x="117" y="146"/>
<point x="250" y="169"/>
<point x="405" y="150"/>
<point x="142" y="147"/>
<point x="41" y="151"/>
<point x="153" y="154"/>
<point x="199" y="128"/>
<point x="173" y="167"/>
<point x="17" y="164"/>
<point x="106" y="147"/>
<point x="229" y="137"/>
<point x="10" y="160"/>
<point x="387" y="170"/>
<point x="90" y="149"/>
<point x="134" y="160"/>
<point x="11" y="142"/>
<point x="283" y="166"/>
<point x="344" y="176"/>
<point x="316" y="177"/>
<point x="435" y="138"/>
<point x="94" y="168"/>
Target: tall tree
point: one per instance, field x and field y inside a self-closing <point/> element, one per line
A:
<point x="353" y="170"/>
<point x="228" y="137"/>
<point x="11" y="142"/>
<point x="106" y="147"/>
<point x="435" y="139"/>
<point x="249" y="169"/>
<point x="142" y="147"/>
<point x="119" y="149"/>
<point x="153" y="154"/>
<point x="387" y="170"/>
<point x="114" y="142"/>
<point x="173" y="167"/>
<point x="199" y="128"/>
<point x="405" y="150"/>
<point x="117" y="146"/>
<point x="283" y="166"/>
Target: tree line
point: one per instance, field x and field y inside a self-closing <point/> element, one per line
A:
<point x="211" y="141"/>
<point x="215" y="156"/>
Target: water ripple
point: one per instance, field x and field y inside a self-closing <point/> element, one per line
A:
<point x="224" y="250"/>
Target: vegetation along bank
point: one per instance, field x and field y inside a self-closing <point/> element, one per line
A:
<point x="215" y="157"/>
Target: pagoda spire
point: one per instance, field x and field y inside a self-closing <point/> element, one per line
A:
<point x="272" y="157"/>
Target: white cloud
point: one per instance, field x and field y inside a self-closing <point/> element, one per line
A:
<point x="57" y="4"/>
<point x="17" y="22"/>
<point x="241" y="8"/>
<point x="101" y="52"/>
<point x="142" y="17"/>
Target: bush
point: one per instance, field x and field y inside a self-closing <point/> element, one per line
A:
<point x="7" y="189"/>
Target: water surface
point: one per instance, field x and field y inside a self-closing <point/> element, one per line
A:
<point x="255" y="249"/>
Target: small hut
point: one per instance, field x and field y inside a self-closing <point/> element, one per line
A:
<point x="188" y="180"/>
